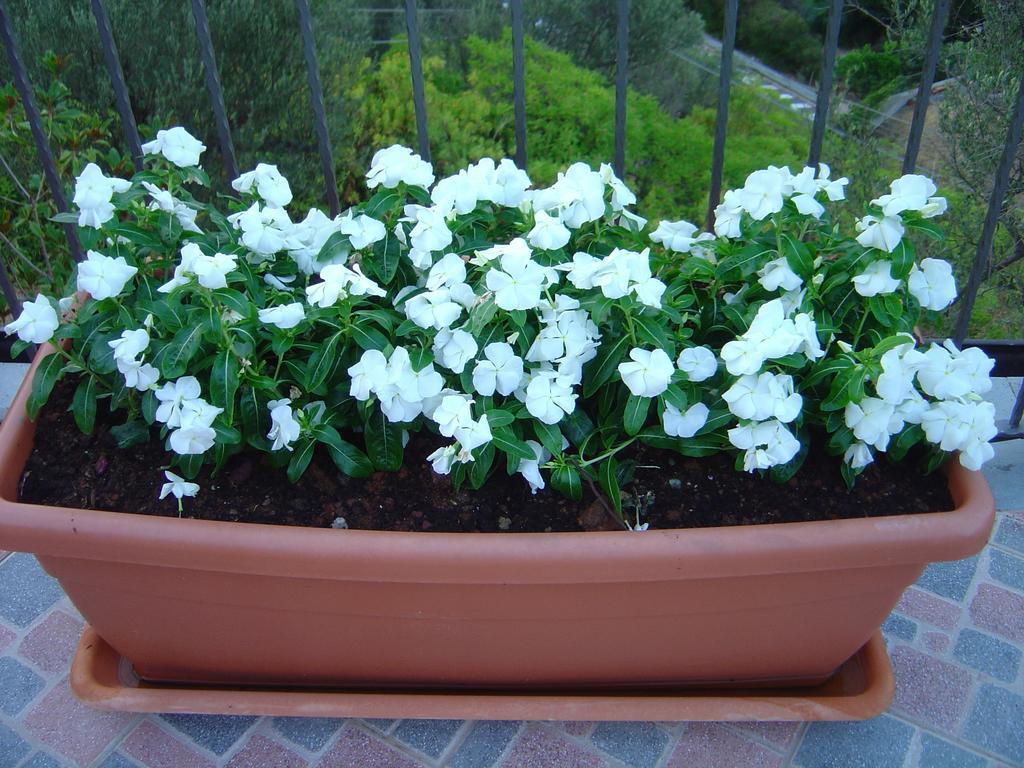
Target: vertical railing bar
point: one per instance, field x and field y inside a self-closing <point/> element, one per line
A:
<point x="519" y="81"/>
<point x="995" y="208"/>
<point x="924" y="91"/>
<point x="1017" y="412"/>
<point x="419" y="100"/>
<point x="35" y="122"/>
<point x="220" y="116"/>
<point x="121" y="97"/>
<point x="316" y="97"/>
<point x="722" y="115"/>
<point x="621" y="81"/>
<point x="835" y="18"/>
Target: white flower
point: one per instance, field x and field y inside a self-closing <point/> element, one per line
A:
<point x="396" y="165"/>
<point x="368" y="374"/>
<point x="166" y="202"/>
<point x="519" y="282"/>
<point x="932" y="284"/>
<point x="442" y="460"/>
<point x="264" y="230"/>
<point x="649" y="292"/>
<point x="195" y="435"/>
<point x="284" y="317"/>
<point x="577" y="197"/>
<point x="876" y="280"/>
<point x="549" y="397"/>
<point x="873" y="421"/>
<point x="907" y="193"/>
<point x="936" y="206"/>
<point x="548" y="233"/>
<point x="362" y="230"/>
<point x="502" y="371"/>
<point x="284" y="428"/>
<point x="430" y="233"/>
<point x="453" y="413"/>
<point x="762" y="194"/>
<point x="36" y="323"/>
<point x="763" y="397"/>
<point x="806" y="328"/>
<point x="338" y="282"/>
<point x="474" y="434"/>
<point x="305" y="239"/>
<point x="270" y="185"/>
<point x="177" y="145"/>
<point x="962" y="426"/>
<point x="433" y="309"/>
<point x="778" y="274"/>
<point x="649" y="374"/>
<point x="183" y="271"/>
<point x="858" y="455"/>
<point x="530" y="468"/>
<point x="946" y="372"/>
<point x="685" y="424"/>
<point x="453" y="349"/>
<point x="808" y="206"/>
<point x="172" y="397"/>
<point x="767" y="444"/>
<point x="771" y="335"/>
<point x="622" y="196"/>
<point x="679" y="235"/>
<point x="178" y="487"/>
<point x="698" y="363"/>
<point x="508" y="186"/>
<point x="212" y="271"/>
<point x="484" y="257"/>
<point x="729" y="215"/>
<point x="93" y="192"/>
<point x="130" y="344"/>
<point x="138" y="375"/>
<point x="834" y="189"/>
<point x="102" y="276"/>
<point x="884" y="234"/>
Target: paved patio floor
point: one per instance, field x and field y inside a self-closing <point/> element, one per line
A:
<point x="956" y="642"/>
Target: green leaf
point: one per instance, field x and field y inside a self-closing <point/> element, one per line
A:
<point x="782" y="473"/>
<point x="224" y="382"/>
<point x="255" y="418"/>
<point x="604" y="365"/>
<point x="798" y="256"/>
<point x="903" y="258"/>
<point x="746" y="261"/>
<point x="550" y="436"/>
<point x="383" y="442"/>
<point x="46" y="377"/>
<point x="335" y="246"/>
<point x="386" y="255"/>
<point x="321" y="362"/>
<point x="499" y="418"/>
<point x="130" y="433"/>
<point x="649" y="330"/>
<point x="382" y="203"/>
<point x="481" y="466"/>
<point x="675" y="395"/>
<point x="234" y="300"/>
<point x="608" y="480"/>
<point x="635" y="415"/>
<point x="577" y="426"/>
<point x="566" y="480"/>
<point x="301" y="457"/>
<point x="349" y="459"/>
<point x="174" y="357"/>
<point x="480" y="315"/>
<point x="907" y="439"/>
<point x="929" y="228"/>
<point x="83" y="404"/>
<point x="101" y="355"/>
<point x="368" y="338"/>
<point x="505" y="439"/>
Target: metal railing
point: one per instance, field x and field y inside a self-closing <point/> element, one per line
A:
<point x="515" y="7"/>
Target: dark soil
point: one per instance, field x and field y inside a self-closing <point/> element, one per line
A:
<point x="70" y="469"/>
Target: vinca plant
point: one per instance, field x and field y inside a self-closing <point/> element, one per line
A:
<point x="544" y="332"/>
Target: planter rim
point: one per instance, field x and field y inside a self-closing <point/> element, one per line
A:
<point x="484" y="557"/>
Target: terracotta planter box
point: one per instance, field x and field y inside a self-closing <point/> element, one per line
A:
<point x="198" y="601"/>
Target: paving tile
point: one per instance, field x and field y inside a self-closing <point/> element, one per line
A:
<point x="926" y="607"/>
<point x="939" y="753"/>
<point x="26" y="590"/>
<point x="539" y="747"/>
<point x="711" y="745"/>
<point x="581" y="728"/>
<point x="51" y="645"/>
<point x="950" y="580"/>
<point x="779" y="734"/>
<point x="356" y="747"/>
<point x="154" y="747"/>
<point x="18" y="686"/>
<point x="42" y="760"/>
<point x="484" y="744"/>
<point x="936" y="642"/>
<point x="1010" y="532"/>
<point x="636" y="744"/>
<point x="927" y="688"/>
<point x="879" y="743"/>
<point x="988" y="654"/>
<point x="72" y="729"/>
<point x="431" y="737"/>
<point x="261" y="752"/>
<point x="309" y="732"/>
<point x="117" y="760"/>
<point x="995" y="723"/>
<point x="12" y="747"/>
<point x="1006" y="569"/>
<point x="380" y="724"/>
<point x="999" y="611"/>
<point x="899" y="626"/>
<point x="6" y="638"/>
<point x="218" y="733"/>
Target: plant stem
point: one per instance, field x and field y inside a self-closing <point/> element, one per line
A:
<point x="607" y="454"/>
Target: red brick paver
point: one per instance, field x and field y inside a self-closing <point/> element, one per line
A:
<point x="538" y="746"/>
<point x="927" y="688"/>
<point x="357" y="747"/>
<point x="260" y="751"/>
<point x="711" y="745"/>
<point x="156" y="748"/>
<point x="1000" y="611"/>
<point x="53" y="642"/>
<point x="929" y="609"/>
